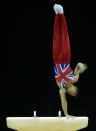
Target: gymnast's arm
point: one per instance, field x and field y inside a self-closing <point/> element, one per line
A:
<point x="80" y="68"/>
<point x="75" y="78"/>
<point x="62" y="92"/>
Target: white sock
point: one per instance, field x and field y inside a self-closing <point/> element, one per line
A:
<point x="58" y="9"/>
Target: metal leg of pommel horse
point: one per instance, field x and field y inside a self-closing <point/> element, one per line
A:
<point x="47" y="123"/>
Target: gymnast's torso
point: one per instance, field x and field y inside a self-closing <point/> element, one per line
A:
<point x="63" y="74"/>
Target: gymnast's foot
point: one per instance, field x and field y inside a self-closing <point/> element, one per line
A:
<point x="58" y="9"/>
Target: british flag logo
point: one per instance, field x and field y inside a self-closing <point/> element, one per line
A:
<point x="63" y="73"/>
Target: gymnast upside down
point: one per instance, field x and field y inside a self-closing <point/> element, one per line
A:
<point x="65" y="77"/>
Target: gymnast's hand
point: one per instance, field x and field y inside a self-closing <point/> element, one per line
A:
<point x="69" y="116"/>
<point x="80" y="68"/>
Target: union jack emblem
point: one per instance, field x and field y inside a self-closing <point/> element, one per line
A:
<point x="63" y="73"/>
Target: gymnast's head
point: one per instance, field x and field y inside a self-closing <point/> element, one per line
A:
<point x="71" y="89"/>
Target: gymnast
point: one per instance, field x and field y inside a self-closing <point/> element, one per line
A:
<point x="65" y="77"/>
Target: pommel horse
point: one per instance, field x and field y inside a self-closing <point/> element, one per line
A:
<point x="36" y="123"/>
